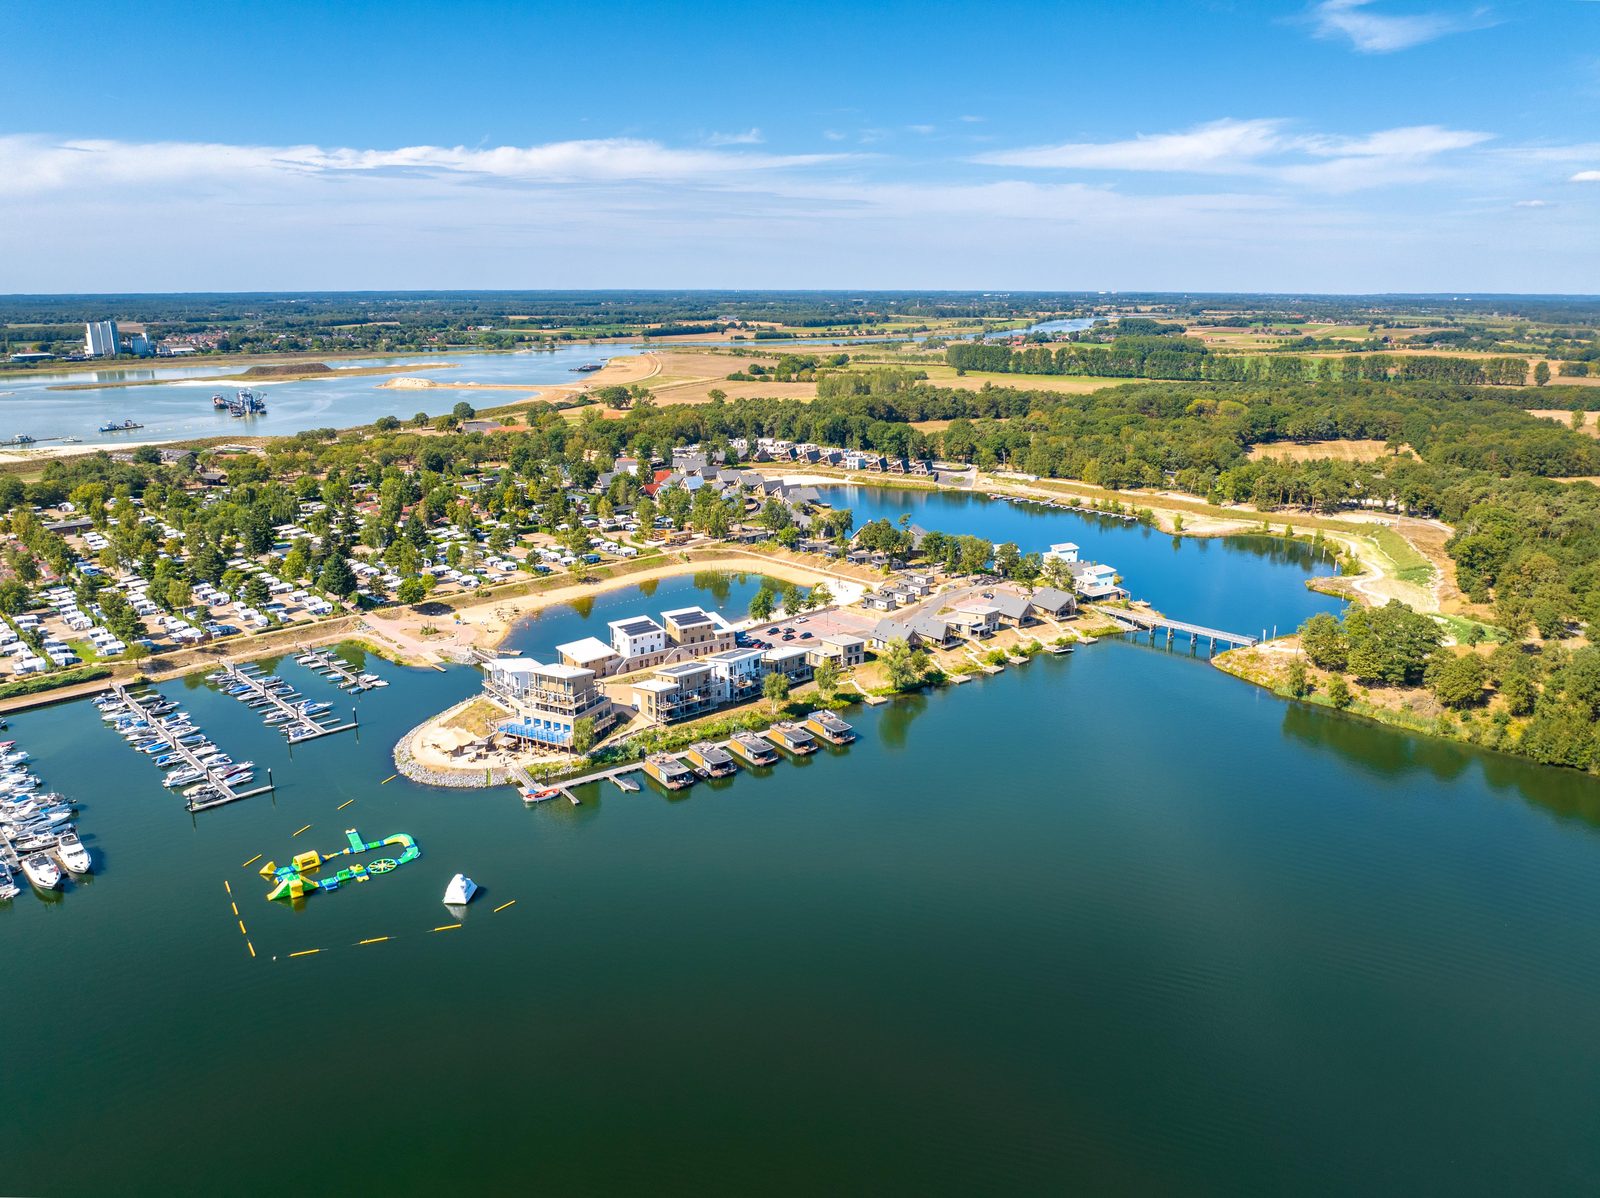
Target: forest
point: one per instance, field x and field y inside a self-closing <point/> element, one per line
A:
<point x="1183" y="358"/>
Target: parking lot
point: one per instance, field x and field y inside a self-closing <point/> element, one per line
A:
<point x="811" y="627"/>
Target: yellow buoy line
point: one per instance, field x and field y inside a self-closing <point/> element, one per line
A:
<point x="243" y="931"/>
<point x="447" y="927"/>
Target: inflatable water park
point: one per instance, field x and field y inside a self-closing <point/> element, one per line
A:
<point x="294" y="881"/>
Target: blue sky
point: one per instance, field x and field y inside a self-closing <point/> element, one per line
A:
<point x="1330" y="145"/>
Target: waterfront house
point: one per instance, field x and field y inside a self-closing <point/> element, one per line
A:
<point x="546" y="701"/>
<point x="753" y="749"/>
<point x="698" y="630"/>
<point x="1013" y="610"/>
<point x="1064" y="552"/>
<point x="710" y="760"/>
<point x="792" y="738"/>
<point x="829" y="727"/>
<point x="976" y="620"/>
<point x="925" y="631"/>
<point x="792" y="661"/>
<point x="741" y="671"/>
<point x="590" y="653"/>
<point x="679" y="692"/>
<point x="846" y="652"/>
<point x="637" y="636"/>
<point x="1094" y="581"/>
<point x="1048" y="601"/>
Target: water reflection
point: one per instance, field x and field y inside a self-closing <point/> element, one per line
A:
<point x="894" y="725"/>
<point x="1394" y="753"/>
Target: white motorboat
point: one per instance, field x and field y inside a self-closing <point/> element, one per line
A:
<point x="460" y="891"/>
<point x="41" y="871"/>
<point x="8" y="886"/>
<point x="72" y="853"/>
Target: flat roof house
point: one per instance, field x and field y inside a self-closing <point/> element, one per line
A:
<point x="590" y="653"/>
<point x="792" y="660"/>
<point x="698" y="630"/>
<point x="679" y="692"/>
<point x="1094" y="581"/>
<point x="546" y="701"/>
<point x="741" y="670"/>
<point x="637" y="636"/>
<point x="846" y="652"/>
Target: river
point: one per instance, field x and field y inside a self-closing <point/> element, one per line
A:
<point x="178" y="406"/>
<point x="1113" y="922"/>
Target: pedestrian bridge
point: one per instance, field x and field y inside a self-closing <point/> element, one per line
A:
<point x="1136" y="619"/>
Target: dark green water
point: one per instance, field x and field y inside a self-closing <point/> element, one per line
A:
<point x="1108" y="923"/>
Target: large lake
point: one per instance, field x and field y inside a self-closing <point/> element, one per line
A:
<point x="1113" y="922"/>
<point x="177" y="405"/>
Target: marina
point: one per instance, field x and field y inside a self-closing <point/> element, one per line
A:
<point x="281" y="706"/>
<point x="334" y="668"/>
<point x="151" y="725"/>
<point x="39" y="843"/>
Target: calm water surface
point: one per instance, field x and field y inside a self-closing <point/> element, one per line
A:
<point x="179" y="406"/>
<point x="1107" y="923"/>
<point x="1247" y="584"/>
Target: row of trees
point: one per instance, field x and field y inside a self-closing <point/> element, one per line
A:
<point x="1183" y="358"/>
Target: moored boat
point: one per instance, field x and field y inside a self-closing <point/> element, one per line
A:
<point x="41" y="871"/>
<point x="72" y="853"/>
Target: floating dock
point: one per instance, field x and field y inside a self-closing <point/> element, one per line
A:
<point x="213" y="775"/>
<point x="297" y="725"/>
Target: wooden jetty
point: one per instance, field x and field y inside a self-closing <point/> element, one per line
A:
<point x="335" y="664"/>
<point x="225" y="794"/>
<point x="298" y="727"/>
<point x="1135" y="620"/>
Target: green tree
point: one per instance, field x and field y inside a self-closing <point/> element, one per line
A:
<point x="1541" y="374"/>
<point x="1339" y="692"/>
<point x="1299" y="680"/>
<point x="336" y="577"/>
<point x="411" y="590"/>
<point x="775" y="690"/>
<point x="826" y="678"/>
<point x="762" y="604"/>
<point x="256" y="591"/>
<point x="1324" y="642"/>
<point x="903" y="664"/>
<point x="1457" y="680"/>
<point x="583" y="735"/>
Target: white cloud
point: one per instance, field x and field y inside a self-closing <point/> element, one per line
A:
<point x="1223" y="146"/>
<point x="1533" y="204"/>
<point x="1586" y="177"/>
<point x="925" y="130"/>
<point x="1262" y="147"/>
<point x="33" y="165"/>
<point x="750" y="137"/>
<point x="1383" y="33"/>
